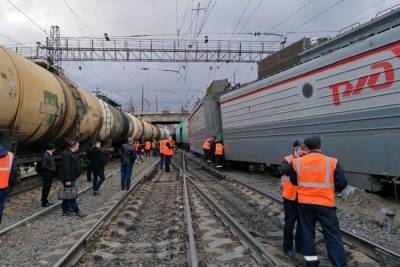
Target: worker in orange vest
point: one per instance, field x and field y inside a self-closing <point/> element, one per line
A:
<point x="219" y="154"/>
<point x="318" y="177"/>
<point x="163" y="143"/>
<point x="290" y="205"/>
<point x="207" y="149"/>
<point x="136" y="146"/>
<point x="8" y="175"/>
<point x="168" y="153"/>
<point x="147" y="148"/>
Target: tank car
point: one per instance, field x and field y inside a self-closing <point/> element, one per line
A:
<point x="347" y="90"/>
<point x="182" y="134"/>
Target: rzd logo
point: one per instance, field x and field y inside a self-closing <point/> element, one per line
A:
<point x="385" y="68"/>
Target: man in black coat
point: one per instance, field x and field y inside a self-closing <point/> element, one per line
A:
<point x="89" y="169"/>
<point x="70" y="171"/>
<point x="98" y="161"/>
<point x="47" y="171"/>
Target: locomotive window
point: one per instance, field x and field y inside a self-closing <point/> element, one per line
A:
<point x="307" y="90"/>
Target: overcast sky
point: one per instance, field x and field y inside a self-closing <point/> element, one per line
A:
<point x="311" y="18"/>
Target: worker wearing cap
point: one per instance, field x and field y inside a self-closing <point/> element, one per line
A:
<point x="318" y="177"/>
<point x="290" y="205"/>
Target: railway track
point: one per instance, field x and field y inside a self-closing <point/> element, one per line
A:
<point x="166" y="221"/>
<point x="378" y="253"/>
<point x="46" y="235"/>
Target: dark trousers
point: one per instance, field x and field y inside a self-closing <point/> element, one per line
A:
<point x="70" y="205"/>
<point x="89" y="173"/>
<point x="291" y="217"/>
<point x="161" y="161"/>
<point x="207" y="154"/>
<point x="219" y="160"/>
<point x="167" y="160"/>
<point x="126" y="174"/>
<point x="47" y="182"/>
<point x="147" y="152"/>
<point x="3" y="195"/>
<point x="154" y="152"/>
<point x="98" y="179"/>
<point x="326" y="216"/>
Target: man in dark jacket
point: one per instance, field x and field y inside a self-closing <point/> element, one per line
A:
<point x="98" y="161"/>
<point x="128" y="156"/>
<point x="47" y="171"/>
<point x="8" y="176"/>
<point x="89" y="169"/>
<point x="70" y="171"/>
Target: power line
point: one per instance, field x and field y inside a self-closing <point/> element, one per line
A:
<point x="27" y="17"/>
<point x="318" y="15"/>
<point x="77" y="16"/>
<point x="206" y="16"/>
<point x="241" y="16"/>
<point x="290" y="15"/>
<point x="252" y="15"/>
<point x="9" y="39"/>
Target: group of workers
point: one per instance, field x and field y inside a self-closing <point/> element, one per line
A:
<point x="214" y="151"/>
<point x="309" y="182"/>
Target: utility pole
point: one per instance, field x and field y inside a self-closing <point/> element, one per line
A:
<point x="156" y="103"/>
<point x="142" y="98"/>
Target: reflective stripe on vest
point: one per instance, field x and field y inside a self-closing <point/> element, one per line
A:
<point x="5" y="170"/>
<point x="289" y="190"/>
<point x="219" y="149"/>
<point x="315" y="179"/>
<point x="316" y="185"/>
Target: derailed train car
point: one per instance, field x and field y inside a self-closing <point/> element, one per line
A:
<point x="41" y="106"/>
<point x="205" y="119"/>
<point x="347" y="90"/>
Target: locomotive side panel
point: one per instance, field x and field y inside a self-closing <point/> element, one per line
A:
<point x="350" y="97"/>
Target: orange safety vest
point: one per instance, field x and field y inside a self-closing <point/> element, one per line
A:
<point x="5" y="170"/>
<point x="206" y="144"/>
<point x="168" y="151"/>
<point x="163" y="146"/>
<point x="153" y="145"/>
<point x="315" y="179"/>
<point x="147" y="145"/>
<point x="289" y="190"/>
<point x="219" y="149"/>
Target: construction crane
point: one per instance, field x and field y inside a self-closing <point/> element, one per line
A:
<point x="57" y="49"/>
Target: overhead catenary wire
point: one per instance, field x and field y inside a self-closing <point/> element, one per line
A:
<point x="241" y="17"/>
<point x="292" y="14"/>
<point x="318" y="14"/>
<point x="78" y="17"/>
<point x="27" y="17"/>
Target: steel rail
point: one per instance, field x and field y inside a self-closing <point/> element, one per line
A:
<point x="258" y="252"/>
<point x="45" y="210"/>
<point x="192" y="251"/>
<point x="72" y="256"/>
<point x="351" y="239"/>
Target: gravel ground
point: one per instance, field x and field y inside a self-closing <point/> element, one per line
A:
<point x="361" y="212"/>
<point x="24" y="204"/>
<point x="41" y="242"/>
<point x="148" y="231"/>
<point x="261" y="218"/>
<point x="215" y="244"/>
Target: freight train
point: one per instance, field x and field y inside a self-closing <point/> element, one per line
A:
<point x="39" y="105"/>
<point x="345" y="89"/>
